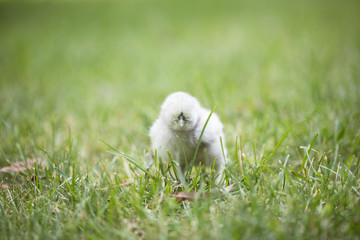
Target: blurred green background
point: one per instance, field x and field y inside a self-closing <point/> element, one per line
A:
<point x="94" y="69"/>
<point x="71" y="72"/>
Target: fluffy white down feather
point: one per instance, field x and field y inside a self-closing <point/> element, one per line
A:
<point x="182" y="117"/>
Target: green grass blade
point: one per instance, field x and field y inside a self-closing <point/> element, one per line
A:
<point x="188" y="173"/>
<point x="183" y="150"/>
<point x="352" y="151"/>
<point x="308" y="152"/>
<point x="130" y="159"/>
<point x="178" y="173"/>
<point x="281" y="140"/>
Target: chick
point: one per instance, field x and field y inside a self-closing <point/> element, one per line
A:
<point x="182" y="119"/>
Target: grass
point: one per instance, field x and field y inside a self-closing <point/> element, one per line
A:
<point x="284" y="78"/>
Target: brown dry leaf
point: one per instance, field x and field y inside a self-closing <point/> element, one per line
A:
<point x="18" y="167"/>
<point x="4" y="186"/>
<point x="188" y="196"/>
<point x="191" y="196"/>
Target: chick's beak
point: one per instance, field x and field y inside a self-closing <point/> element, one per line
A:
<point x="181" y="120"/>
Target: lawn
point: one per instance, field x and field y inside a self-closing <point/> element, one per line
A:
<point x="285" y="80"/>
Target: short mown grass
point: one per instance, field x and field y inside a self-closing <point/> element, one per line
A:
<point x="82" y="81"/>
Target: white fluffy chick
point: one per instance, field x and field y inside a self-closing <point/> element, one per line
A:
<point x="182" y="118"/>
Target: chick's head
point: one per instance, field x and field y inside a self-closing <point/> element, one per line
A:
<point x="180" y="111"/>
